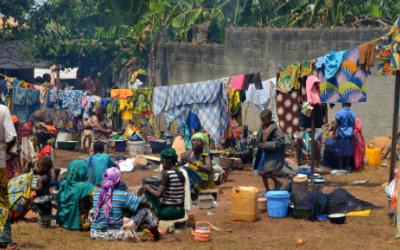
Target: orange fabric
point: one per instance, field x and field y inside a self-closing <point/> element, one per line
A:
<point x="367" y="54"/>
<point x="121" y="93"/>
<point x="179" y="146"/>
<point x="125" y="93"/>
<point x="51" y="129"/>
<point x="114" y="93"/>
<point x="46" y="150"/>
<point x="14" y="118"/>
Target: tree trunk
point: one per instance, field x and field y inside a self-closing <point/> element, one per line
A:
<point x="153" y="58"/>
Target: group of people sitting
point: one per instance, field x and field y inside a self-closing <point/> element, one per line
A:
<point x="92" y="195"/>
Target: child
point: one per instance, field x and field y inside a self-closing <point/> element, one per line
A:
<point x="42" y="202"/>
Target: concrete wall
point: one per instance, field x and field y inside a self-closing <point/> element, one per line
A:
<point x="264" y="50"/>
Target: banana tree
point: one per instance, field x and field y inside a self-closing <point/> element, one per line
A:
<point x="175" y="16"/>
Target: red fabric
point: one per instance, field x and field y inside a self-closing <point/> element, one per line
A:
<point x="24" y="129"/>
<point x="11" y="170"/>
<point x="359" y="145"/>
<point x="46" y="150"/>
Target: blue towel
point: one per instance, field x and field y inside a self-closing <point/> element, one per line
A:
<point x="332" y="62"/>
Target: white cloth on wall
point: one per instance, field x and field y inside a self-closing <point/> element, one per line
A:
<point x="261" y="97"/>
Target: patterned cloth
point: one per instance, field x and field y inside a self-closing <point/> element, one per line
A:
<point x="144" y="216"/>
<point x="143" y="101"/>
<point x="111" y="179"/>
<point x="288" y="78"/>
<point x="206" y="99"/>
<point x="122" y="201"/>
<point x="348" y="85"/>
<point x="5" y="228"/>
<point x="388" y="49"/>
<point x="72" y="101"/>
<point x="288" y="107"/>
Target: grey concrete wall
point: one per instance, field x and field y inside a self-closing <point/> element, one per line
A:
<point x="264" y="50"/>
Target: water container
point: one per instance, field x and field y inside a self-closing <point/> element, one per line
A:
<point x="136" y="147"/>
<point x="373" y="156"/>
<point x="278" y="203"/>
<point x="244" y="204"/>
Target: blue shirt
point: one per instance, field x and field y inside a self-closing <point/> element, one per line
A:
<point x="346" y="120"/>
<point x="122" y="202"/>
<point x="98" y="164"/>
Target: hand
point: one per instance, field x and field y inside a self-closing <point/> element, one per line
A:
<point x="262" y="145"/>
<point x="186" y="158"/>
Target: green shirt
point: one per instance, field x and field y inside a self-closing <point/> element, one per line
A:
<point x="98" y="164"/>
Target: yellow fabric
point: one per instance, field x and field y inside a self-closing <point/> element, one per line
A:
<point x="4" y="205"/>
<point x="204" y="138"/>
<point x="362" y="213"/>
<point x="207" y="181"/>
<point x="126" y="109"/>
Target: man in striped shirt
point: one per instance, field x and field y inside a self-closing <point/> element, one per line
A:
<point x="168" y="199"/>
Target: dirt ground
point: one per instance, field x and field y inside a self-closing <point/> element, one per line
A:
<point x="373" y="232"/>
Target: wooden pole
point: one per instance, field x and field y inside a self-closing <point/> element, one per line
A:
<point x="312" y="146"/>
<point x="393" y="156"/>
<point x="395" y="124"/>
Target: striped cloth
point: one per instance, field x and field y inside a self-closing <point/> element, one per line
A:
<point x="205" y="99"/>
<point x="122" y="201"/>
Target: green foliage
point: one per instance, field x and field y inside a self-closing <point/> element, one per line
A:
<point x="113" y="35"/>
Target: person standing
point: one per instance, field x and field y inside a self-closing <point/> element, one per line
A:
<point x="8" y="137"/>
<point x="270" y="155"/>
<point x="91" y="83"/>
<point x="101" y="127"/>
<point x="345" y="120"/>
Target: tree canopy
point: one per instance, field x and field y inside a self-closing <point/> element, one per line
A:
<point x="116" y="36"/>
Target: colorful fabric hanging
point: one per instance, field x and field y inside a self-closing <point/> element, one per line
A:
<point x="348" y="85"/>
<point x="388" y="51"/>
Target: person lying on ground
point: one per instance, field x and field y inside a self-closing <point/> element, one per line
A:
<point x="168" y="199"/>
<point x="98" y="163"/>
<point x="270" y="156"/>
<point x="199" y="168"/>
<point x="110" y="204"/>
<point x="74" y="197"/>
<point x="42" y="202"/>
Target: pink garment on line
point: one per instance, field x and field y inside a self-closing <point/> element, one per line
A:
<point x="312" y="89"/>
<point x="237" y="82"/>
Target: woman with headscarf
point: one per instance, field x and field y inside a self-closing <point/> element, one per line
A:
<point x="199" y="168"/>
<point x="73" y="197"/>
<point x="109" y="206"/>
<point x="168" y="199"/>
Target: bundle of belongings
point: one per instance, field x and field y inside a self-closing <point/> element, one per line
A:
<point x="319" y="203"/>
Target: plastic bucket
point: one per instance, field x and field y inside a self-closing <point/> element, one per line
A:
<point x="120" y="145"/>
<point x="277" y="203"/>
<point x="136" y="147"/>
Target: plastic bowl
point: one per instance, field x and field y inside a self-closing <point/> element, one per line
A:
<point x="337" y="218"/>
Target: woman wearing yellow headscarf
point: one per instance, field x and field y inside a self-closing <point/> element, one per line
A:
<point x="199" y="162"/>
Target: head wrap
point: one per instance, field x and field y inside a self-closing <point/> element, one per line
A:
<point x="204" y="138"/>
<point x="111" y="179"/>
<point x="169" y="154"/>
